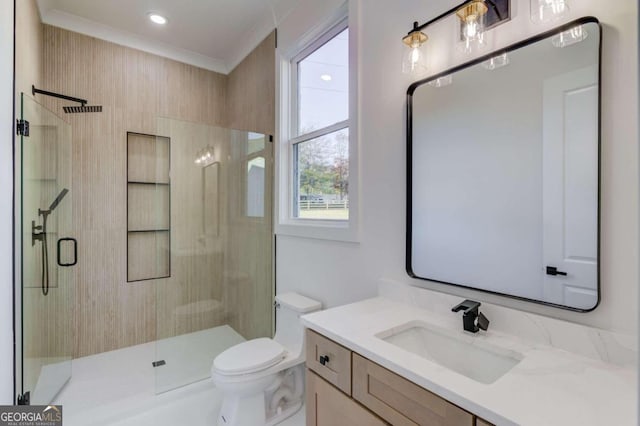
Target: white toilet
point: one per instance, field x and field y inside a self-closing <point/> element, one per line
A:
<point x="263" y="379"/>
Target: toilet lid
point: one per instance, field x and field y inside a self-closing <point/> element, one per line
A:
<point x="250" y="356"/>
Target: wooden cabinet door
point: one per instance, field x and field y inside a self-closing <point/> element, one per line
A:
<point x="401" y="402"/>
<point x="327" y="406"/>
<point x="336" y="366"/>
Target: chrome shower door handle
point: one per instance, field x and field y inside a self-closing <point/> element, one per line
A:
<point x="75" y="251"/>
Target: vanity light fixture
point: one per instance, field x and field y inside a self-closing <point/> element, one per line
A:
<point x="474" y="17"/>
<point x="569" y="37"/>
<point x="496" y="62"/>
<point x="548" y="10"/>
<point x="415" y="59"/>
<point x="441" y="81"/>
<point x="157" y="18"/>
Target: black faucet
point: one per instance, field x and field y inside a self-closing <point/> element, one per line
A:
<point x="472" y="319"/>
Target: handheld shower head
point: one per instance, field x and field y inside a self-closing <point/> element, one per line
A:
<point x="58" y="199"/>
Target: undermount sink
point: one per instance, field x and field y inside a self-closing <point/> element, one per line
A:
<point x="464" y="354"/>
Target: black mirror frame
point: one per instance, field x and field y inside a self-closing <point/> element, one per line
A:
<point x="409" y="126"/>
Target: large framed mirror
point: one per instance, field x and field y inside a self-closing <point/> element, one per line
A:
<point x="503" y="171"/>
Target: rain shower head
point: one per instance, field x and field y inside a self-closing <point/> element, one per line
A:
<point x="82" y="108"/>
<point x="58" y="199"/>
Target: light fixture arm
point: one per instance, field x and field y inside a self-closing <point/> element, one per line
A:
<point x="451" y="11"/>
<point x="417" y="27"/>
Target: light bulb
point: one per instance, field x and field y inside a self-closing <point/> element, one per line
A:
<point x="471" y="28"/>
<point x="415" y="56"/>
<point x="414" y="60"/>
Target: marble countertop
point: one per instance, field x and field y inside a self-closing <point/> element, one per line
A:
<point x="550" y="386"/>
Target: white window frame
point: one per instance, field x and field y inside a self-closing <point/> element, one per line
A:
<point x="287" y="136"/>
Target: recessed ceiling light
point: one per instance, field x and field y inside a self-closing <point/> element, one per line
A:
<point x="325" y="77"/>
<point x="157" y="19"/>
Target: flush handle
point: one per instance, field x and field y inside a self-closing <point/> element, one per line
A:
<point x="324" y="359"/>
<point x="552" y="270"/>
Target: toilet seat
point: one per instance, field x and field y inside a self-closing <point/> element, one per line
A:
<point x="249" y="357"/>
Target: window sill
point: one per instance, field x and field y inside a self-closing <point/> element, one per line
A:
<point x="332" y="230"/>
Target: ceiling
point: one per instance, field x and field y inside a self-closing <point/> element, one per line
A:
<point x="212" y="34"/>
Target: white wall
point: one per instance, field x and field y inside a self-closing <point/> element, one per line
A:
<point x="338" y="273"/>
<point x="6" y="193"/>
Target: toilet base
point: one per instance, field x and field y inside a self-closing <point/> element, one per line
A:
<point x="263" y="402"/>
<point x="242" y="411"/>
<point x="250" y="411"/>
<point x="286" y="413"/>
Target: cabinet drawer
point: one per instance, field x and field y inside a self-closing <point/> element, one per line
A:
<point x="327" y="406"/>
<point x="336" y="360"/>
<point x="401" y="402"/>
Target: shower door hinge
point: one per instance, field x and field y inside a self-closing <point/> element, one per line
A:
<point x="24" y="399"/>
<point x="22" y="127"/>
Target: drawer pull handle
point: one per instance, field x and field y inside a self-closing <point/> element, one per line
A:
<point x="324" y="359"/>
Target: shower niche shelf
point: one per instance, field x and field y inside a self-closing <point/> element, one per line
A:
<point x="148" y="207"/>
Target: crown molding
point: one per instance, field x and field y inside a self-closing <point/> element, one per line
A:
<point x="91" y="28"/>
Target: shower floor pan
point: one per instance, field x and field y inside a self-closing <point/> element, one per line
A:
<point x="111" y="386"/>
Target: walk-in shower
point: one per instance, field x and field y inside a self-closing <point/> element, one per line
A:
<point x="176" y="254"/>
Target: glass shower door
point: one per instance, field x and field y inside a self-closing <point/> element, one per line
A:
<point x="48" y="253"/>
<point x="220" y="291"/>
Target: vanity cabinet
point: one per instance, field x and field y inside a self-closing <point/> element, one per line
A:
<point x="328" y="406"/>
<point x="345" y="388"/>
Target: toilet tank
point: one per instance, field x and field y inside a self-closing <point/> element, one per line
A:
<point x="289" y="329"/>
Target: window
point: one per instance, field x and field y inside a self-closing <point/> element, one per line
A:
<point x="320" y="129"/>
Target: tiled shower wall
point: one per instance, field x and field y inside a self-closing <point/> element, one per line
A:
<point x="135" y="88"/>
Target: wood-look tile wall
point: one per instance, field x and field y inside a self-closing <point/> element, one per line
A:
<point x="248" y="264"/>
<point x="251" y="90"/>
<point x="134" y="89"/>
